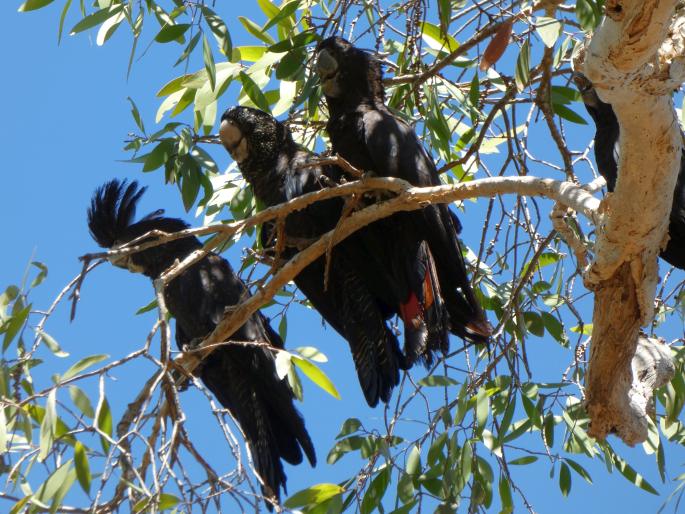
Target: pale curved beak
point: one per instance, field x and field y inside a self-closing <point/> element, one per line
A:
<point x="233" y="140"/>
<point x="326" y="64"/>
<point x="230" y="134"/>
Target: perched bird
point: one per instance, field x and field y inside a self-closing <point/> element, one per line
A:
<point x="242" y="376"/>
<point x="607" y="156"/>
<point x="364" y="132"/>
<point x="355" y="302"/>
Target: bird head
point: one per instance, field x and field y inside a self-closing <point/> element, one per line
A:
<point x="600" y="111"/>
<point x="249" y="133"/>
<point x="111" y="222"/>
<point x="586" y="90"/>
<point x="345" y="70"/>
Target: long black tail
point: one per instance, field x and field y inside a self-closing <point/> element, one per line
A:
<point x="244" y="380"/>
<point x="467" y="318"/>
<point x="375" y="349"/>
<point x="354" y="313"/>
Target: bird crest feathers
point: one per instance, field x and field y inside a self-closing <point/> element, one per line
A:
<point x="113" y="209"/>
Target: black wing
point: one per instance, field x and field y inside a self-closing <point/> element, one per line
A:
<point x="243" y="377"/>
<point x="353" y="311"/>
<point x="376" y="140"/>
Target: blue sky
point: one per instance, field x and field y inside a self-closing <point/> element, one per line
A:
<point x="65" y="116"/>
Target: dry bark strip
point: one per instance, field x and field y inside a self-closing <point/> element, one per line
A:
<point x="635" y="60"/>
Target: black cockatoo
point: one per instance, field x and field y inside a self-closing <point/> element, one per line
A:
<point x="364" y="132"/>
<point x="242" y="377"/>
<point x="356" y="302"/>
<point x="606" y="156"/>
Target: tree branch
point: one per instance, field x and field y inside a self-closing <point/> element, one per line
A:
<point x="411" y="198"/>
<point x="631" y="61"/>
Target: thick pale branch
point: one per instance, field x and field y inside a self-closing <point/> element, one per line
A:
<point x="634" y="60"/>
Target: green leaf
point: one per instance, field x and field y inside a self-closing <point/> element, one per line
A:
<point x="136" y="115"/>
<point x="585" y="329"/>
<point x="167" y="501"/>
<point x="190" y="187"/>
<point x="312" y="495"/>
<point x="84" y="363"/>
<point x="505" y="496"/>
<point x="42" y="273"/>
<point x="405" y="488"/>
<point x="285" y="12"/>
<point x="108" y="28"/>
<point x="291" y="64"/>
<point x="522" y="73"/>
<point x="436" y="39"/>
<point x="220" y="31"/>
<point x="172" y="32"/>
<point x="296" y="41"/>
<point x="534" y="323"/>
<point x="147" y="308"/>
<point x="82" y="466"/>
<point x="283" y="327"/>
<point x="19" y="506"/>
<point x="316" y="375"/>
<point x="568" y="114"/>
<point x="81" y="401"/>
<point x="174" y="85"/>
<point x="9" y="295"/>
<point x="52" y="344"/>
<point x="253" y="92"/>
<point x="549" y="30"/>
<point x="209" y="62"/>
<point x="311" y="353"/>
<point x="344" y="446"/>
<point x="248" y="53"/>
<point x="269" y="9"/>
<point x="189" y="48"/>
<point x="482" y="407"/>
<point x="104" y="422"/>
<point x="633" y="476"/>
<point x="465" y="467"/>
<point x="57" y="485"/>
<point x="522" y="461"/>
<point x="507" y="417"/>
<point x="437" y="381"/>
<point x="15" y="324"/>
<point x="548" y="429"/>
<point x="587" y="16"/>
<point x="349" y="426"/>
<point x="545" y="259"/>
<point x="159" y="155"/>
<point x="374" y="494"/>
<point x="96" y="18"/>
<point x="553" y="326"/>
<point x="413" y="463"/>
<point x="435" y="452"/>
<point x="256" y="30"/>
<point x="564" y="479"/>
<point x="31" y="5"/>
<point x="579" y="469"/>
<point x="48" y="426"/>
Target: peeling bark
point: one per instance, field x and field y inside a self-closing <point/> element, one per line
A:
<point x="635" y="61"/>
